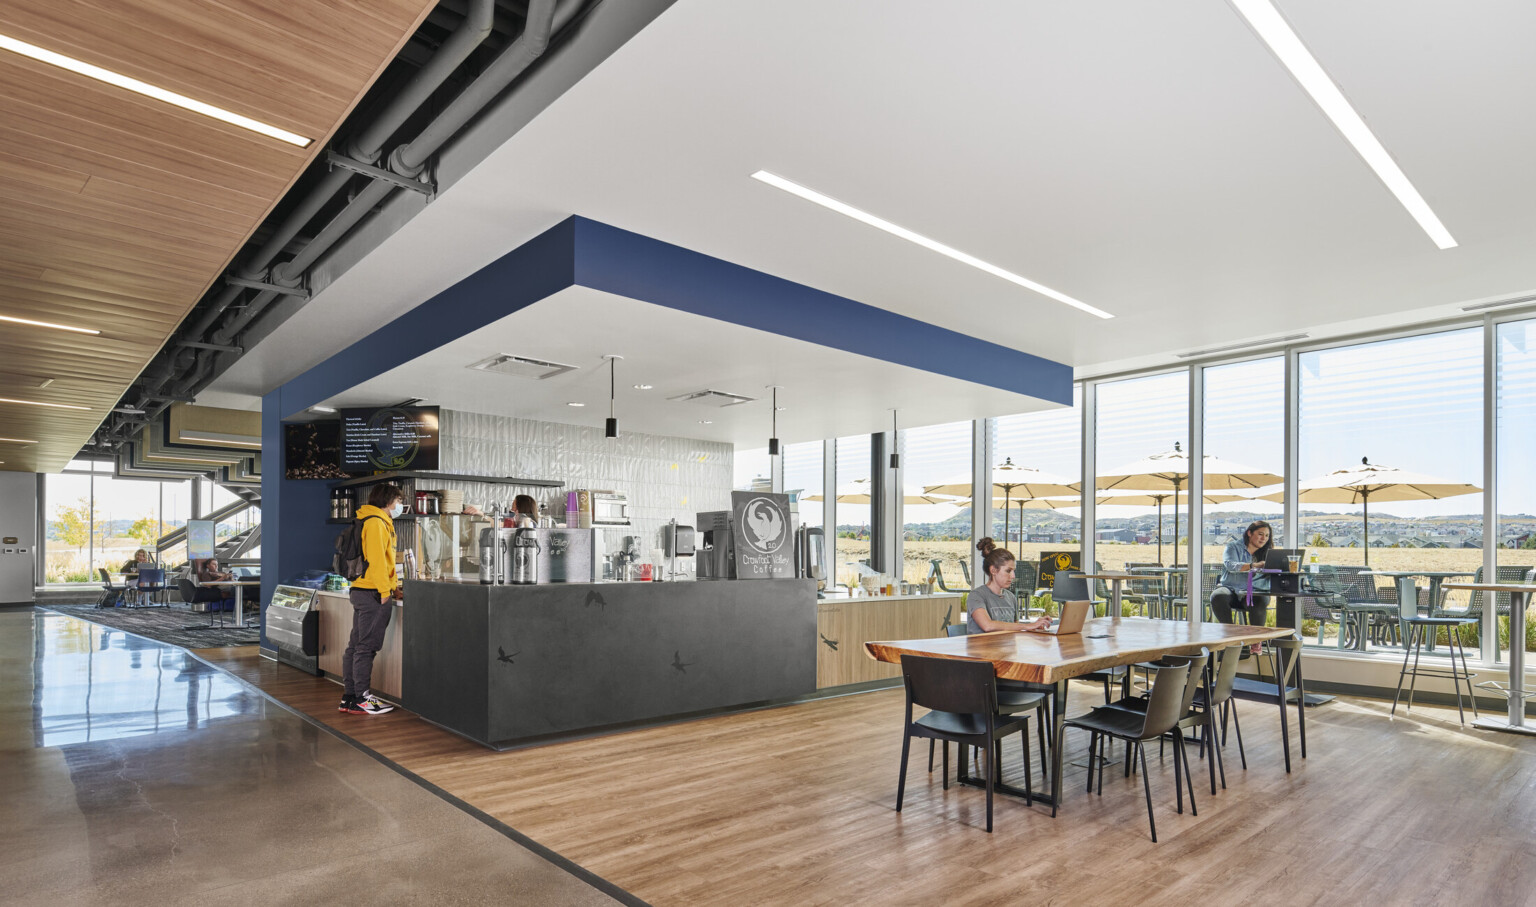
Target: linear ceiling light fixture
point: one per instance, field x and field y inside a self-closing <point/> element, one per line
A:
<point x="220" y="441"/>
<point x="41" y="403"/>
<point x="1293" y="54"/>
<point x="1243" y="346"/>
<point x="16" y="441"/>
<point x="47" y="324"/>
<point x="826" y="201"/>
<point x="149" y="91"/>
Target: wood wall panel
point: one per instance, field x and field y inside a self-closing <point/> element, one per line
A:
<point x="849" y="623"/>
<point x="121" y="210"/>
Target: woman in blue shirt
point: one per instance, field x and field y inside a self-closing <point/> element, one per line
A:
<point x="1241" y="556"/>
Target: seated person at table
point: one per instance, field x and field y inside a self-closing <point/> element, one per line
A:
<point x="139" y="557"/>
<point x="210" y="576"/>
<point x="993" y="606"/>
<point x="1243" y="555"/>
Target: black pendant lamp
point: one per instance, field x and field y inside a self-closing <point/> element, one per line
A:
<point x="773" y="439"/>
<point x="611" y="428"/>
<point x="895" y="457"/>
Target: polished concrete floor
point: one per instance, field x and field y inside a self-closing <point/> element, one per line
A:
<point x="132" y="772"/>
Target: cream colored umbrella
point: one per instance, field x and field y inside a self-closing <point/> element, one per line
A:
<point x="1170" y="472"/>
<point x="1014" y="482"/>
<point x="1370" y="482"/>
<point x="1149" y="498"/>
<point x="859" y="491"/>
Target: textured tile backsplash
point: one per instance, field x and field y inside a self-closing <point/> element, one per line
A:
<point x="663" y="477"/>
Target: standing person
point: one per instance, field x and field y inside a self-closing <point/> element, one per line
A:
<point x="371" y="595"/>
<point x="1243" y="555"/>
<point x="993" y="606"/>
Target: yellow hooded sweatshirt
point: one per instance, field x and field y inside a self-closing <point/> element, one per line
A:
<point x="378" y="552"/>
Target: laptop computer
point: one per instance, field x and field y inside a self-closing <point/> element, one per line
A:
<point x="1073" y="614"/>
<point x="1278" y="558"/>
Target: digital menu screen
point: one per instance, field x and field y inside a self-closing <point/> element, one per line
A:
<point x="397" y="437"/>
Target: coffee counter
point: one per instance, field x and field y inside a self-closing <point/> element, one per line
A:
<point x="508" y="665"/>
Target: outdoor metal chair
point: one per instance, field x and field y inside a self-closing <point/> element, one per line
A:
<point x="1024" y="584"/>
<point x="112" y="594"/>
<point x="1474" y="607"/>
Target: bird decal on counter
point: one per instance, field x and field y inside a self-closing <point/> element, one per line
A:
<point x="830" y="643"/>
<point x="594" y="598"/>
<point x="949" y="618"/>
<point x="501" y="655"/>
<point x="766" y="523"/>
<point x="678" y="664"/>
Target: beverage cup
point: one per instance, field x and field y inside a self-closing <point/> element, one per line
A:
<point x="1294" y="564"/>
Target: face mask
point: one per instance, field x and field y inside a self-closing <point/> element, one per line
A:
<point x="396" y="510"/>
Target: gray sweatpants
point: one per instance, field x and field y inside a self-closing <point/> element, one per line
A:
<point x="370" y="618"/>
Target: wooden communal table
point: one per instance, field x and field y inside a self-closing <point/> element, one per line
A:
<point x="1519" y="596"/>
<point x="1105" y="642"/>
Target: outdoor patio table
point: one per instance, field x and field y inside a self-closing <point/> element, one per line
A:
<point x="1519" y="594"/>
<point x="1105" y="642"/>
<point x="1165" y="575"/>
<point x="1115" y="588"/>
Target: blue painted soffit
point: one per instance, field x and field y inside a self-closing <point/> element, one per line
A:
<point x="582" y="252"/>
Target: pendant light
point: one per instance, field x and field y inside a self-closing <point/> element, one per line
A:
<point x="611" y="428"/>
<point x="895" y="457"/>
<point x="773" y="439"/>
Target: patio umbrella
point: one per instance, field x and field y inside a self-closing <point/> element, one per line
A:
<point x="1148" y="498"/>
<point x="858" y="492"/>
<point x="1370" y="482"/>
<point x="1014" y="482"/>
<point x="1170" y="471"/>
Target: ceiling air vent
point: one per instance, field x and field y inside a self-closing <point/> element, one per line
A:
<point x="713" y="398"/>
<point x="523" y="367"/>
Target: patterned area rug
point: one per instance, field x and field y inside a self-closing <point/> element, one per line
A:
<point x="169" y="624"/>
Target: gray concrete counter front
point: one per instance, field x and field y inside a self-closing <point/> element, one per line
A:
<point x="505" y="665"/>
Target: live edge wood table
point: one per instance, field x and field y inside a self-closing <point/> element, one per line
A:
<point x="1105" y="642"/>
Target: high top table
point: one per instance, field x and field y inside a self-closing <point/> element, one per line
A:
<point x="1115" y="580"/>
<point x="1105" y="642"/>
<point x="1516" y="692"/>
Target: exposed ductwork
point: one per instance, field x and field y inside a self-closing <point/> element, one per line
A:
<point x="201" y="350"/>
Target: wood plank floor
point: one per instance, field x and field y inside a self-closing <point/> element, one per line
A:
<point x="794" y="805"/>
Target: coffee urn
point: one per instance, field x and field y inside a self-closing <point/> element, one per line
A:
<point x="525" y="557"/>
<point x="488" y="548"/>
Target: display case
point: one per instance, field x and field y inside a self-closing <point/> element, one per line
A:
<point x="448" y="546"/>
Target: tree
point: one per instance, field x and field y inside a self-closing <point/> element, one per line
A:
<point x="146" y="529"/>
<point x="74" y="524"/>
<point x="1318" y="541"/>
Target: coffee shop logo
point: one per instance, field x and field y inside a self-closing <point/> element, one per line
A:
<point x="764" y="525"/>
<point x="558" y="544"/>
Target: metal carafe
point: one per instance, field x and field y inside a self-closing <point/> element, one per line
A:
<point x="488" y="556"/>
<point x="525" y="557"/>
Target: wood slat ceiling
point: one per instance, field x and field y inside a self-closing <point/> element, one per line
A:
<point x="119" y="211"/>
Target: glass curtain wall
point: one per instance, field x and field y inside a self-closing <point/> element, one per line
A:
<point x="1141" y="429"/>
<point x="803" y="471"/>
<point x="854" y="535"/>
<point x="753" y="470"/>
<point x="1516" y="433"/>
<point x="936" y="535"/>
<point x="1050" y="441"/>
<point x="1408" y="412"/>
<point x="94" y="520"/>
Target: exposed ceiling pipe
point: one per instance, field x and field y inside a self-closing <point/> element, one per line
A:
<point x="479" y="17"/>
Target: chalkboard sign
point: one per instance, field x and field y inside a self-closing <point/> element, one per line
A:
<point x="397" y="437"/>
<point x="763" y="535"/>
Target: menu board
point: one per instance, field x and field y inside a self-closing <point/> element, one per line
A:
<point x="763" y="535"/>
<point x="398" y="437"/>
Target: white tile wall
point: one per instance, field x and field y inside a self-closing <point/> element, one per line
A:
<point x="663" y="477"/>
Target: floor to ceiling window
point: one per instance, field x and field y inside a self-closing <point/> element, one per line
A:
<point x="1516" y="434"/>
<point x="936" y="529"/>
<point x="1391" y="444"/>
<point x="94" y="520"/>
<point x="752" y="470"/>
<point x="1048" y="443"/>
<point x="1141" y="429"/>
<point x="803" y="478"/>
<point x="854" y="532"/>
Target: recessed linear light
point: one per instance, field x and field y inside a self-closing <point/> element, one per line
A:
<point x="322" y="409"/>
<point x="706" y="422"/>
<point x="826" y="201"/>
<point x="574" y="403"/>
<point x="1243" y="346"/>
<point x="47" y="324"/>
<point x="643" y="387"/>
<point x="16" y="441"/>
<point x="1293" y="54"/>
<point x="41" y="403"/>
<point x="221" y="441"/>
<point x="1481" y="306"/>
<point x="149" y="91"/>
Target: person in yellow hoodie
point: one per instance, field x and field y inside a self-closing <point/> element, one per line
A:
<point x="371" y="597"/>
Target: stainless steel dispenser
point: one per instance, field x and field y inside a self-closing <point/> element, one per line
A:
<point x="810" y="551"/>
<point x="488" y="549"/>
<point x="716" y="550"/>
<point x="525" y="557"/>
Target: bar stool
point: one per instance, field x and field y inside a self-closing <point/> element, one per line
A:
<point x="1417" y="628"/>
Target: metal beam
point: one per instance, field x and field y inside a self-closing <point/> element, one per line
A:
<point x="249" y="284"/>
<point x="200" y="345"/>
<point x="334" y="159"/>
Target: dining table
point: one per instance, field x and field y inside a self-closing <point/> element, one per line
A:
<point x="1053" y="660"/>
<point x="1519" y="596"/>
<point x="1116" y="587"/>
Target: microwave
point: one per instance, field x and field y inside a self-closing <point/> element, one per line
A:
<point x="609" y="509"/>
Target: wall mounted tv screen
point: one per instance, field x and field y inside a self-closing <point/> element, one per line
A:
<point x="396" y="437"/>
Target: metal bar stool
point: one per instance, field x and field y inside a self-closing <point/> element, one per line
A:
<point x="1417" y="628"/>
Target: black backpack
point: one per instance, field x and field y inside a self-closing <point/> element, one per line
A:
<point x="349" y="560"/>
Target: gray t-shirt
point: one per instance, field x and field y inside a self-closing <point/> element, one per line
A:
<point x="999" y="607"/>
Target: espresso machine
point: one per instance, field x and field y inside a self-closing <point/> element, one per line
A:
<point x="810" y="552"/>
<point x="716" y="551"/>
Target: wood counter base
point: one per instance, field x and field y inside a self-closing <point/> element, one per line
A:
<point x="335" y="609"/>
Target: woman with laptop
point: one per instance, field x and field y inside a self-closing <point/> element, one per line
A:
<point x="1242" y="556"/>
<point x="993" y="606"/>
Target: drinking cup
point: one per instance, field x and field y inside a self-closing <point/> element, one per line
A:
<point x="1294" y="563"/>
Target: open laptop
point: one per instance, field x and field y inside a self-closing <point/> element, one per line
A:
<point x="1073" y="614"/>
<point x="1278" y="557"/>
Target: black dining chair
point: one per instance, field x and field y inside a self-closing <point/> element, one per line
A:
<point x="112" y="593"/>
<point x="1135" y="728"/>
<point x="962" y="698"/>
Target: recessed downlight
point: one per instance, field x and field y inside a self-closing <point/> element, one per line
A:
<point x="826" y="201"/>
<point x="41" y="403"/>
<point x="149" y="91"/>
<point x="47" y="324"/>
